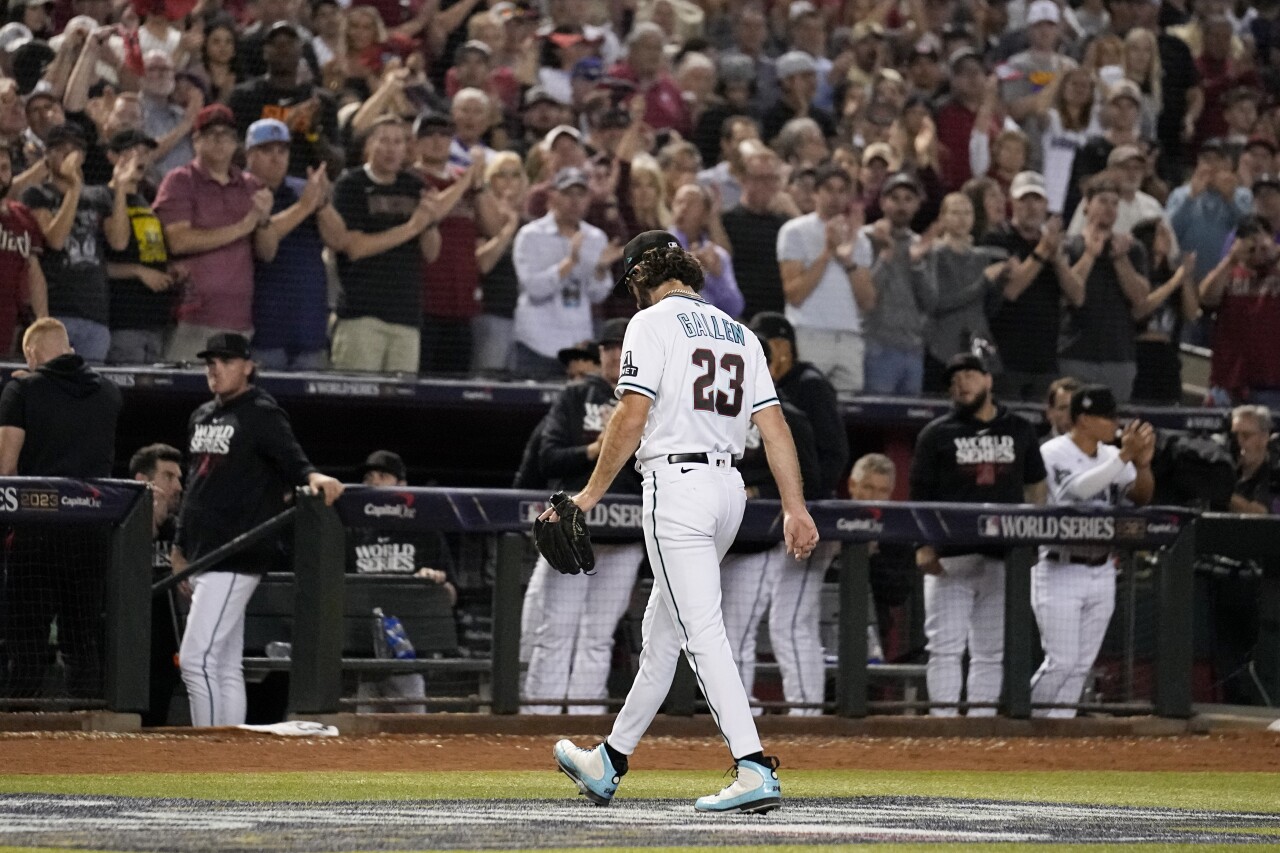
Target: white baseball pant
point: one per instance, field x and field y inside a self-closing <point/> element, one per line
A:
<point x="1073" y="606"/>
<point x="964" y="606"/>
<point x="571" y="645"/>
<point x="745" y="589"/>
<point x="690" y="520"/>
<point x="212" y="652"/>
<point x="793" y="626"/>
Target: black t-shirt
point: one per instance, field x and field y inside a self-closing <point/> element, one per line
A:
<point x="133" y="304"/>
<point x="961" y="459"/>
<point x="258" y="99"/>
<point x="77" y="273"/>
<point x="1102" y="328"/>
<point x="394" y="552"/>
<point x="501" y="286"/>
<point x="1022" y="326"/>
<point x="69" y="413"/>
<point x="388" y="285"/>
<point x="754" y="237"/>
<point x="807" y="387"/>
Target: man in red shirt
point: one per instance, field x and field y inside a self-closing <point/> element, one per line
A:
<point x="451" y="294"/>
<point x="955" y="118"/>
<point x="1244" y="290"/>
<point x="21" y="240"/>
<point x="645" y="66"/>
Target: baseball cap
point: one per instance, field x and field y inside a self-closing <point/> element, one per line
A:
<point x="1043" y="11"/>
<point x="882" y="150"/>
<point x="589" y="68"/>
<point x="475" y="46"/>
<point x="965" y="361"/>
<point x="1124" y="89"/>
<point x="772" y="324"/>
<point x="829" y="170"/>
<point x="735" y="68"/>
<point x="800" y="8"/>
<point x="265" y="130"/>
<point x="1027" y="183"/>
<point x="126" y="139"/>
<point x="614" y="331"/>
<point x="866" y="29"/>
<point x="225" y="345"/>
<point x="212" y="115"/>
<point x="43" y="89"/>
<point x="899" y="180"/>
<point x="584" y="351"/>
<point x="61" y="134"/>
<point x="561" y="130"/>
<point x="429" y="121"/>
<point x="281" y="28"/>
<point x="386" y="462"/>
<point x="642" y="243"/>
<point x="1265" y="142"/>
<point x="570" y="176"/>
<point x="794" y="62"/>
<point x="1124" y="153"/>
<point x="539" y="95"/>
<point x="1094" y="400"/>
<point x="961" y="54"/>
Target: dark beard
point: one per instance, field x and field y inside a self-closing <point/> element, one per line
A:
<point x="968" y="410"/>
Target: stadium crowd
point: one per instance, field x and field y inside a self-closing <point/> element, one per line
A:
<point x="446" y="187"/>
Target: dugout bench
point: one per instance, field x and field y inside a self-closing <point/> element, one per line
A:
<point x="422" y="607"/>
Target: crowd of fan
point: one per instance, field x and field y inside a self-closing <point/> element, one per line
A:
<point x="446" y="187"/>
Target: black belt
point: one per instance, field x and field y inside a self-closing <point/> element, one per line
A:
<point x="1080" y="559"/>
<point x="699" y="458"/>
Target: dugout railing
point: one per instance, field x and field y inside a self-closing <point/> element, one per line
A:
<point x="75" y="551"/>
<point x="1169" y="533"/>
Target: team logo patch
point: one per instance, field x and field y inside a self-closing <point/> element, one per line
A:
<point x="628" y="369"/>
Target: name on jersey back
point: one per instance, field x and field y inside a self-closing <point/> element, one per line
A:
<point x="699" y="325"/>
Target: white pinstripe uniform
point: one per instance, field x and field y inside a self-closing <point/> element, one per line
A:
<point x="707" y="376"/>
<point x="1073" y="600"/>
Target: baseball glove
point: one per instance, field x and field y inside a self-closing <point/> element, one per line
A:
<point x="566" y="542"/>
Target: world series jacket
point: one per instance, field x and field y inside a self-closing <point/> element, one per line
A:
<point x="242" y="460"/>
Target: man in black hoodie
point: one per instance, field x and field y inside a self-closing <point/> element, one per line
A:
<point x="978" y="453"/>
<point x="57" y="421"/>
<point x="797" y="591"/>
<point x="242" y="460"/>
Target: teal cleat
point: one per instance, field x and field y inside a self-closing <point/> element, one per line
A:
<point x="590" y="769"/>
<point x="755" y="790"/>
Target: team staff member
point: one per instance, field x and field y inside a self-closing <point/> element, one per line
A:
<point x="392" y="552"/>
<point x="1073" y="593"/>
<point x="242" y="460"/>
<point x="692" y="380"/>
<point x="160" y="466"/>
<point x="797" y="584"/>
<point x="749" y="572"/>
<point x="57" y="421"/>
<point x="978" y="453"/>
<point x="571" y="644"/>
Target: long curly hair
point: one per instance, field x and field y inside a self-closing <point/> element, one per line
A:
<point x="658" y="266"/>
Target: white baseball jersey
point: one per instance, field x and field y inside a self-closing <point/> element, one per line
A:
<point x="690" y="357"/>
<point x="1065" y="462"/>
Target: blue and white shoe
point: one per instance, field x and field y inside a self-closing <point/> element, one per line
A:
<point x="755" y="790"/>
<point x="590" y="769"/>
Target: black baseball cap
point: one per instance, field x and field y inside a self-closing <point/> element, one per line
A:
<point x="965" y="361"/>
<point x="225" y="345"/>
<point x="585" y="351"/>
<point x="386" y="462"/>
<point x="1096" y="400"/>
<point x="614" y="331"/>
<point x="642" y="243"/>
<point x="126" y="139"/>
<point x="900" y="180"/>
<point x="429" y="121"/>
<point x="281" y="28"/>
<point x="771" y="324"/>
<point x="66" y="134"/>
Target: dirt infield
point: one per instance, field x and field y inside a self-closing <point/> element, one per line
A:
<point x="231" y="751"/>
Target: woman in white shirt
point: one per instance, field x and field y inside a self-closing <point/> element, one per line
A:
<point x="1068" y="127"/>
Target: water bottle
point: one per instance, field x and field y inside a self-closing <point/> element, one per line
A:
<point x="393" y="641"/>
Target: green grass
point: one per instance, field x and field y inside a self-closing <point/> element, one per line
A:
<point x="1258" y="792"/>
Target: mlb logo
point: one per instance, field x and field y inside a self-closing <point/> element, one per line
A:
<point x="989" y="525"/>
<point x="530" y="510"/>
